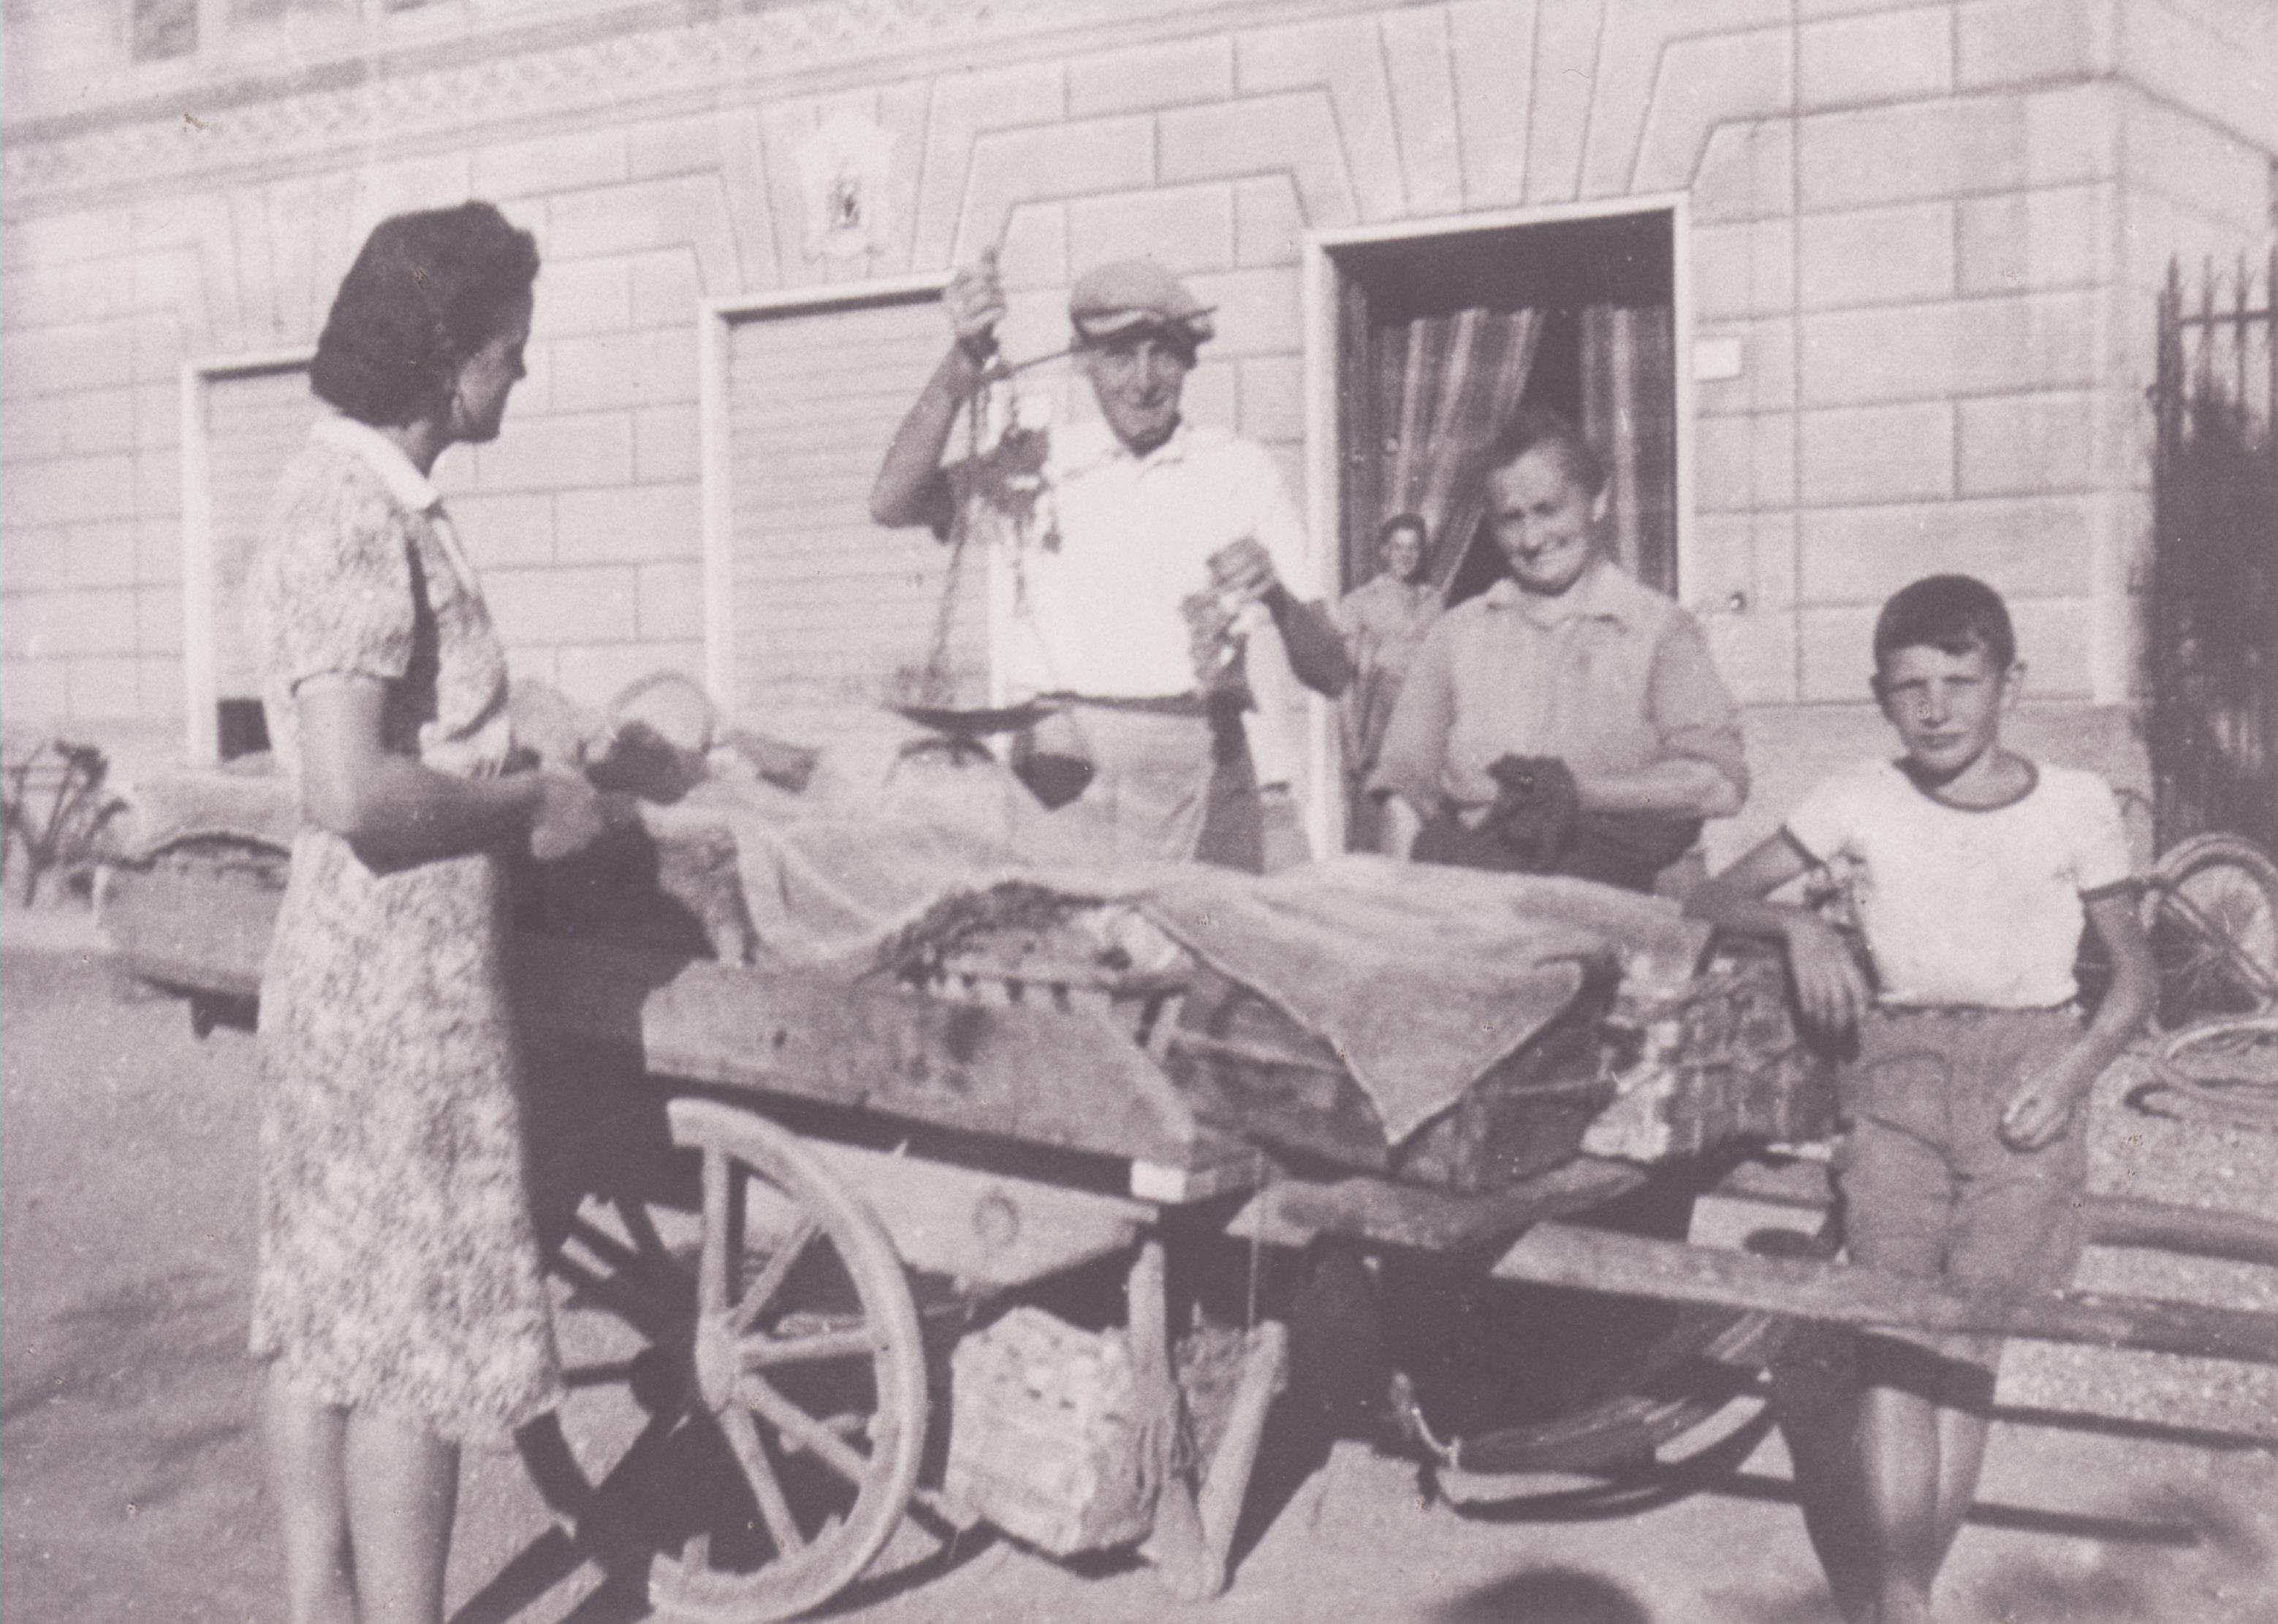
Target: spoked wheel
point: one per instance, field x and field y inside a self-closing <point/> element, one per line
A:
<point x="2212" y="912"/>
<point x="809" y="1362"/>
<point x="773" y="1354"/>
<point x="1620" y="1391"/>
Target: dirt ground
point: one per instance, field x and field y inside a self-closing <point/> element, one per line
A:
<point x="132" y="1488"/>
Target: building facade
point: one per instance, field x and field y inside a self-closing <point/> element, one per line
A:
<point x="1903" y="257"/>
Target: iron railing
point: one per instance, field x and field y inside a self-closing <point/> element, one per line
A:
<point x="2212" y="647"/>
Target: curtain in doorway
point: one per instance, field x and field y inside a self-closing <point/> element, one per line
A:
<point x="1629" y="378"/>
<point x="1444" y="385"/>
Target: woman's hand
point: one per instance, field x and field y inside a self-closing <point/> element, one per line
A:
<point x="571" y="815"/>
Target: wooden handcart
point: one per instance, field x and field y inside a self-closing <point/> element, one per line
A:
<point x="865" y="1167"/>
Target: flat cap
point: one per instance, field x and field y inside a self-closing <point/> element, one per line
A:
<point x="1132" y="293"/>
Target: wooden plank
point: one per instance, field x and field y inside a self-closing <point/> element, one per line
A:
<point x="983" y="1227"/>
<point x="1409" y="1215"/>
<point x="2189" y="1231"/>
<point x="1071" y="1078"/>
<point x="1235" y="1166"/>
<point x="1178" y="1547"/>
<point x="2113" y="1220"/>
<point x="1559" y="1254"/>
<point x="1043" y="1076"/>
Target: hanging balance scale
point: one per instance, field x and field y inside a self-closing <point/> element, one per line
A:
<point x="998" y="483"/>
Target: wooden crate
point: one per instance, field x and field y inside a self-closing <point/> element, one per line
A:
<point x="1046" y="1435"/>
<point x="1724" y="1062"/>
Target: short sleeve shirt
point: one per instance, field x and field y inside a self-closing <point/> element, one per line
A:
<point x="361" y="574"/>
<point x="1384" y="619"/>
<point x="1091" y="604"/>
<point x="1610" y="676"/>
<point x="1978" y="907"/>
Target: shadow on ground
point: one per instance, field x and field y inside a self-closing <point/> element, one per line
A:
<point x="1546" y="1595"/>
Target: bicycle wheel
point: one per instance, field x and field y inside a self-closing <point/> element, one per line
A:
<point x="2211" y="911"/>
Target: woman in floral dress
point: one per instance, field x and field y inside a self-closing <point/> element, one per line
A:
<point x="399" y="1300"/>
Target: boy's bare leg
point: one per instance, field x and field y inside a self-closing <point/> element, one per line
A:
<point x="402" y="1493"/>
<point x="1964" y="1421"/>
<point x="1961" y="1454"/>
<point x="1814" y="1393"/>
<point x="304" y="1442"/>
<point x="1899" y="1475"/>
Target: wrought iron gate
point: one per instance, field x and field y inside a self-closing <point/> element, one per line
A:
<point x="2214" y="581"/>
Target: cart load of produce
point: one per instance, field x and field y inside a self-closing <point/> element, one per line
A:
<point x="1453" y="1027"/>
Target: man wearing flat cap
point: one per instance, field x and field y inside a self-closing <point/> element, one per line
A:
<point x="1157" y="548"/>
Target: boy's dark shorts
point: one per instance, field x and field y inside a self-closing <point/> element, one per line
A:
<point x="1929" y="1187"/>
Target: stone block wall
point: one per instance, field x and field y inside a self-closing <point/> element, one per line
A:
<point x="1932" y="229"/>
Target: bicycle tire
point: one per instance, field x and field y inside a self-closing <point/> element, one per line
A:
<point x="2211" y="911"/>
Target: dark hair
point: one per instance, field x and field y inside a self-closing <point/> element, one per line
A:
<point x="1534" y="428"/>
<point x="1951" y="613"/>
<point x="1403" y="521"/>
<point x="427" y="291"/>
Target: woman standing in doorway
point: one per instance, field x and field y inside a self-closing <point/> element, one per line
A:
<point x="399" y="1300"/>
<point x="1383" y="620"/>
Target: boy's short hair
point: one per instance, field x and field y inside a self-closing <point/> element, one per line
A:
<point x="1952" y="613"/>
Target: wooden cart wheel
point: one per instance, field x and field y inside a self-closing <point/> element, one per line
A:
<point x="806" y="1358"/>
<point x="770" y="1351"/>
<point x="2212" y="912"/>
<point x="1661" y="1372"/>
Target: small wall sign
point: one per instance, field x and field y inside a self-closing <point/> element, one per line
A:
<point x="844" y="168"/>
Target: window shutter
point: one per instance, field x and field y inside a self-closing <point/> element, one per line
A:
<point x="255" y="423"/>
<point x="828" y="608"/>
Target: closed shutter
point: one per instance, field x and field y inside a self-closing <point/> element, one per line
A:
<point x="255" y="423"/>
<point x="829" y="608"/>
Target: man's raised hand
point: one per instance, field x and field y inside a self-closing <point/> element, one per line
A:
<point x="975" y="299"/>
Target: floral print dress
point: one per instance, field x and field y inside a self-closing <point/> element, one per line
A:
<point x="398" y="1269"/>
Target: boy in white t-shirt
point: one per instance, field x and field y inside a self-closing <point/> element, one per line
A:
<point x="1970" y="869"/>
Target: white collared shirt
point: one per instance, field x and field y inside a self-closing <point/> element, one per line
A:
<point x="1090" y="603"/>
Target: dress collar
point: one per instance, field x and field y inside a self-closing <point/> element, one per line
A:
<point x="414" y="490"/>
<point x="1602" y="593"/>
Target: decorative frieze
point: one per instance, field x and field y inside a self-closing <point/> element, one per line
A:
<point x="394" y="110"/>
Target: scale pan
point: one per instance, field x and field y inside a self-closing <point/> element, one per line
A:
<point x="976" y="723"/>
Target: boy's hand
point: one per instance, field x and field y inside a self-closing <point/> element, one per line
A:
<point x="1829" y="987"/>
<point x="2044" y="1104"/>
